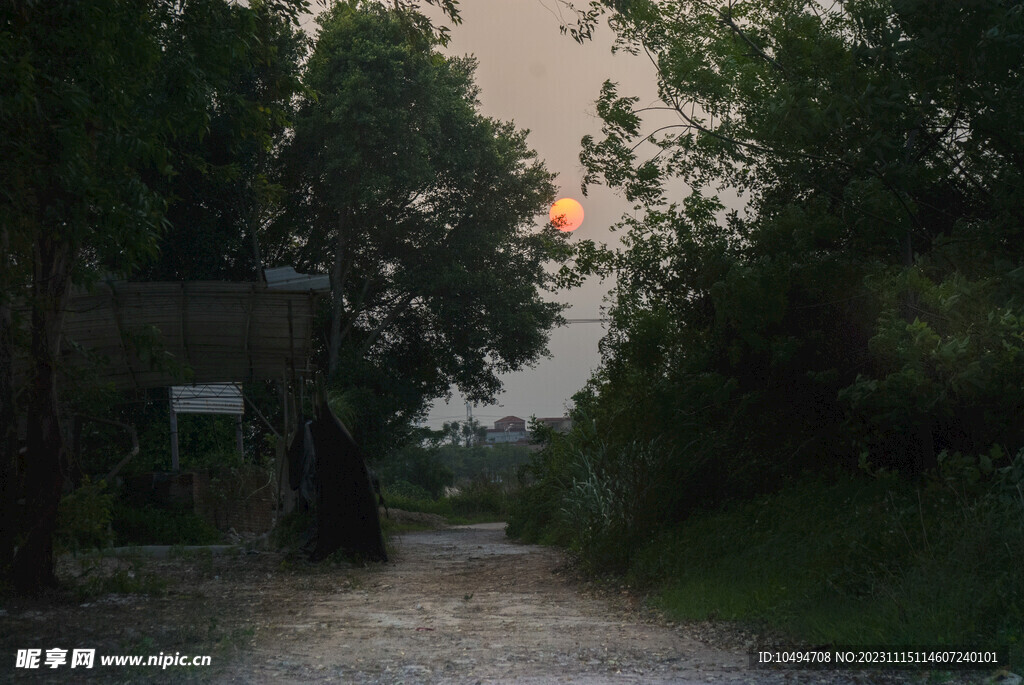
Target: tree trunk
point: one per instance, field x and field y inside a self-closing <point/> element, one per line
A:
<point x="44" y="479"/>
<point x="8" y="420"/>
<point x="337" y="301"/>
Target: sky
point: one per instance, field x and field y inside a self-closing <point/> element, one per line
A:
<point x="545" y="82"/>
<point x="531" y="74"/>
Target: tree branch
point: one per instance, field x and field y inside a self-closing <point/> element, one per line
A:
<point x="389" y="319"/>
<point x="727" y="20"/>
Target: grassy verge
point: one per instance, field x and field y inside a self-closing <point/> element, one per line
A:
<point x="478" y="502"/>
<point x="850" y="563"/>
<point x="391" y="527"/>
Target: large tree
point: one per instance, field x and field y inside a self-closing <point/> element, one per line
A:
<point x="421" y="209"/>
<point x="863" y="304"/>
<point x="224" y="191"/>
<point x="95" y="93"/>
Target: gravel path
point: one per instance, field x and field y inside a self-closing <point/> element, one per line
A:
<point x="455" y="605"/>
<point x="465" y="605"/>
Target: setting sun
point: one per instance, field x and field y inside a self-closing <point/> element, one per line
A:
<point x="566" y="214"/>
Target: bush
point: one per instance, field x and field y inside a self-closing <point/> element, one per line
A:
<point x="480" y="498"/>
<point x="601" y="499"/>
<point x="150" y="525"/>
<point x="417" y="466"/>
<point x="396" y="500"/>
<point x="477" y="501"/>
<point x="612" y="504"/>
<point x="853" y="562"/>
<point x="405" y="490"/>
<point x="294" y="528"/>
<point x="84" y="516"/>
<point x="535" y="513"/>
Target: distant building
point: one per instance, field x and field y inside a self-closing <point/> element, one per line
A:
<point x="512" y="429"/>
<point x="510" y="423"/>
<point x="560" y="424"/>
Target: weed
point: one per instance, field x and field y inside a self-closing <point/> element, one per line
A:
<point x="849" y="563"/>
<point x="129" y="580"/>
<point x="477" y="501"/>
<point x="84" y="517"/>
<point x="293" y="530"/>
<point x="151" y="525"/>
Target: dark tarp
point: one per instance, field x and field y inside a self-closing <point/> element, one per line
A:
<point x="302" y="466"/>
<point x="346" y="508"/>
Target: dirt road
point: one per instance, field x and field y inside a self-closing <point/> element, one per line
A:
<point x="455" y="605"/>
<point x="465" y="605"/>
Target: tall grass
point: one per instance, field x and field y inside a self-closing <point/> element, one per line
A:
<point x="853" y="560"/>
<point x="850" y="563"/>
<point x="612" y="502"/>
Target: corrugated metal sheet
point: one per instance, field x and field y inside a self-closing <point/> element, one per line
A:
<point x="286" y="278"/>
<point x="215" y="398"/>
<point x="149" y="335"/>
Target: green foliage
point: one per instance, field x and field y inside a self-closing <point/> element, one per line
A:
<point x="481" y="500"/>
<point x="821" y="274"/>
<point x="613" y="502"/>
<point x="416" y="472"/>
<point x="422" y="210"/>
<point x="473" y="502"/>
<point x="84" y="518"/>
<point x="424" y="472"/>
<point x="889" y="564"/>
<point x="537" y="511"/>
<point x="601" y="500"/>
<point x="225" y="185"/>
<point x="496" y="463"/>
<point x="151" y="525"/>
<point x="293" y="529"/>
<point x="412" y="499"/>
<point x="403" y="489"/>
<point x="109" y="103"/>
<point x="862" y="306"/>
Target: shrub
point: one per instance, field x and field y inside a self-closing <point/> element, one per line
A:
<point x="396" y="500"/>
<point x="480" y="497"/>
<point x="405" y="490"/>
<point x="84" y="516"/>
<point x="293" y="529"/>
<point x="150" y="525"/>
<point x="853" y="562"/>
<point x="535" y="510"/>
<point x="418" y="466"/>
<point x="612" y="504"/>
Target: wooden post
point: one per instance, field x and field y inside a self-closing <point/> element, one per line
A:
<point x="238" y="436"/>
<point x="174" y="431"/>
<point x="284" y="500"/>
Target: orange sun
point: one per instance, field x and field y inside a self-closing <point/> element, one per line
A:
<point x="566" y="214"/>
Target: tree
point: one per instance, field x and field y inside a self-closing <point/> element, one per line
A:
<point x="421" y="210"/>
<point x="225" y="190"/>
<point x="68" y="139"/>
<point x="85" y="141"/>
<point x="473" y="433"/>
<point x="861" y="305"/>
<point x="452" y="432"/>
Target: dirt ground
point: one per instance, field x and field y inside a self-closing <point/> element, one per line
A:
<point x="455" y="605"/>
